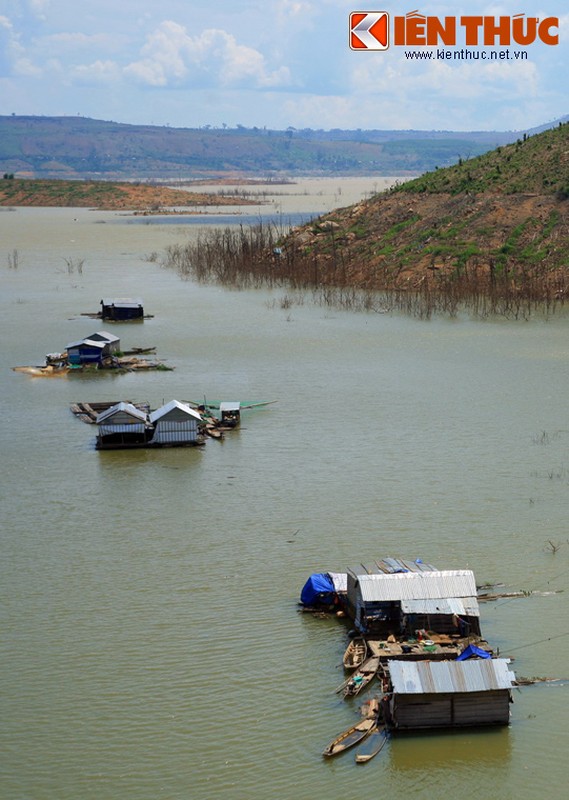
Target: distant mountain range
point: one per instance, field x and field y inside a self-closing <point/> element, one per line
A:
<point x="83" y="148"/>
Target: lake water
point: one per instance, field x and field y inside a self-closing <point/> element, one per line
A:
<point x="151" y="641"/>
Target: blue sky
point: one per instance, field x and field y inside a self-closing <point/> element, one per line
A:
<point x="273" y="63"/>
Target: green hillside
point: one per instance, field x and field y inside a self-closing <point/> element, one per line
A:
<point x="532" y="164"/>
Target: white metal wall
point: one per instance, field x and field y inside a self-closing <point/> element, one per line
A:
<point x="168" y="432"/>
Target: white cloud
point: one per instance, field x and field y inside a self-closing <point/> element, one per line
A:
<point x="6" y="32"/>
<point x="312" y="111"/>
<point x="564" y="26"/>
<point x="6" y="28"/>
<point x="39" y="7"/>
<point x="163" y="60"/>
<point x="172" y="57"/>
<point x="295" y="12"/>
<point x="14" y="59"/>
<point x="293" y="52"/>
<point x="78" y="40"/>
<point x="99" y="72"/>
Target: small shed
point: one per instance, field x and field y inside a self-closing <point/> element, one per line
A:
<point x="112" y="343"/>
<point x="445" y="615"/>
<point x="122" y="309"/>
<point x="123" y="425"/>
<point x="448" y="694"/>
<point x="176" y="423"/>
<point x="230" y="412"/>
<point x="86" y="351"/>
<point x="376" y="601"/>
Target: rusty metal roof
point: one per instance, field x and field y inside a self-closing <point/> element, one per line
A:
<point x="391" y="566"/>
<point x="446" y="677"/>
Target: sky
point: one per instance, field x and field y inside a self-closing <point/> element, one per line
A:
<point x="271" y="63"/>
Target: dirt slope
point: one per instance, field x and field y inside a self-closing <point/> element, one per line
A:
<point x="102" y="195"/>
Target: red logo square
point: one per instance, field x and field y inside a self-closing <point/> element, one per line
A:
<point x="369" y="30"/>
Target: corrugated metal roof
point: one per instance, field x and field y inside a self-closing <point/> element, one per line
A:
<point x="437" y="677"/>
<point x="463" y="606"/>
<point x="390" y="566"/>
<point x="104" y="336"/>
<point x="111" y="429"/>
<point x="86" y="343"/>
<point x="169" y="407"/>
<point x="340" y="581"/>
<point x="394" y="565"/>
<point x="122" y="301"/>
<point x="124" y="409"/>
<point x="417" y="585"/>
<point x="230" y="405"/>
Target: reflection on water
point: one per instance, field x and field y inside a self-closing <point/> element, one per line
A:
<point x="283" y="221"/>
<point x="451" y="750"/>
<point x="151" y="641"/>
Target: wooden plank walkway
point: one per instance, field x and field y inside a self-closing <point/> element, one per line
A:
<point x="88" y="412"/>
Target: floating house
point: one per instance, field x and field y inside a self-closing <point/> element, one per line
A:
<point x="112" y="343"/>
<point x="92" y="350"/>
<point x="122" y="309"/>
<point x="448" y="694"/>
<point x="86" y="351"/>
<point x="403" y="602"/>
<point x="176" y="424"/>
<point x="123" y="425"/>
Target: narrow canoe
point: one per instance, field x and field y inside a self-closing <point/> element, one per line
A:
<point x="362" y="676"/>
<point x="355" y="654"/>
<point x="371" y="746"/>
<point x="350" y="737"/>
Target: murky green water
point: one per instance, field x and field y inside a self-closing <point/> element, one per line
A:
<point x="151" y="645"/>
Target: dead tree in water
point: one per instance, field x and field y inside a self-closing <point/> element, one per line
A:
<point x="263" y="256"/>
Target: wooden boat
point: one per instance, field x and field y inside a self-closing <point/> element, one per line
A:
<point x="372" y="745"/>
<point x="361" y="677"/>
<point x="355" y="654"/>
<point x="138" y="351"/>
<point x="350" y="737"/>
<point x="49" y="371"/>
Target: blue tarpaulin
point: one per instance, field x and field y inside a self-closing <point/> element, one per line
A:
<point x="473" y="652"/>
<point x="318" y="589"/>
